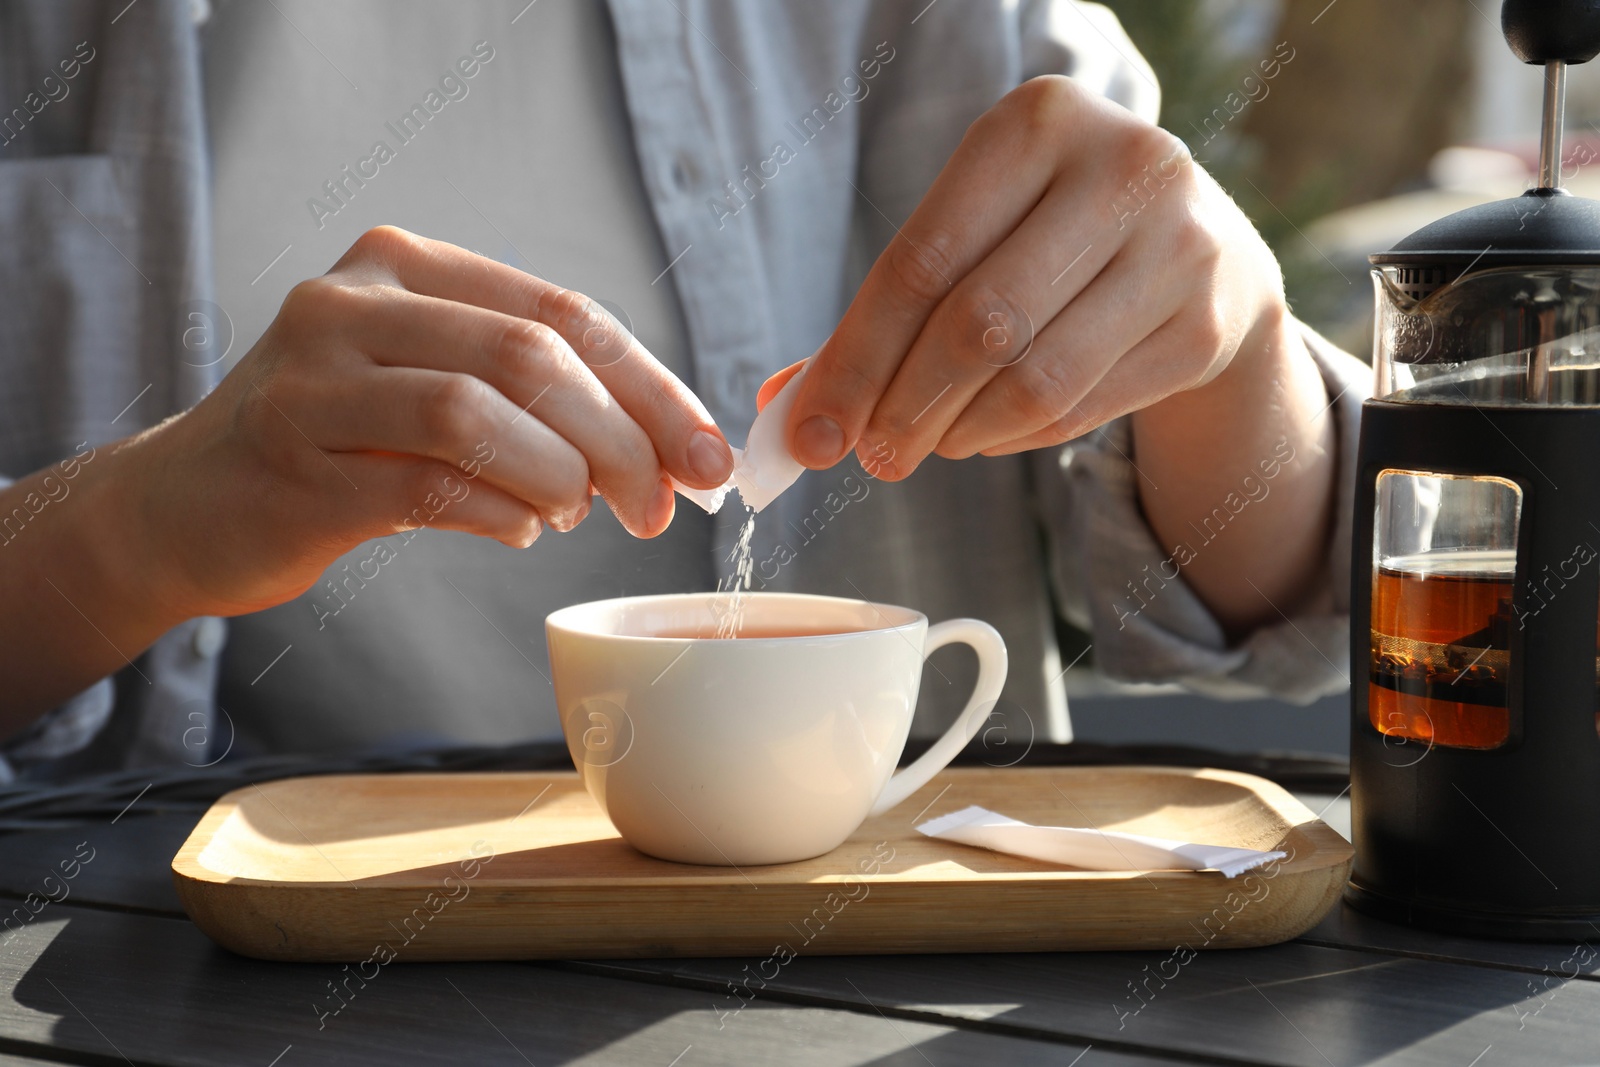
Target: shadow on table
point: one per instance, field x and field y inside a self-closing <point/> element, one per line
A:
<point x="155" y="991"/>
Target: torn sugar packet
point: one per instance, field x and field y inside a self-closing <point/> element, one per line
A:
<point x="709" y="500"/>
<point x="763" y="468"/>
<point x="1095" y="850"/>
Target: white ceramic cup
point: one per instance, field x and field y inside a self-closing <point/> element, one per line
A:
<point x="757" y="749"/>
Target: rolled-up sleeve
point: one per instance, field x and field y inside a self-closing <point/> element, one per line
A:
<point x="1102" y="549"/>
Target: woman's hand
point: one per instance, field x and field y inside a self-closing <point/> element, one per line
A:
<point x="413" y="384"/>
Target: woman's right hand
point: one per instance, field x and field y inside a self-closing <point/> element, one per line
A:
<point x="413" y="384"/>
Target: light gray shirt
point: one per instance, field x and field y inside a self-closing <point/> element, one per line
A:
<point x="754" y="160"/>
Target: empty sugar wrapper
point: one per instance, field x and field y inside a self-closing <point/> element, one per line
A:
<point x="763" y="468"/>
<point x="1095" y="850"/>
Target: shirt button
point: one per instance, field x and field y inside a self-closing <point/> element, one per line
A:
<point x="684" y="173"/>
<point x="747" y="379"/>
<point x="209" y="635"/>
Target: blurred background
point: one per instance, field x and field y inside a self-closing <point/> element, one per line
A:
<point x="1370" y="119"/>
<point x="1388" y="116"/>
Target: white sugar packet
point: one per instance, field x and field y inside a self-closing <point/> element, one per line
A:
<point x="763" y="468"/>
<point x="1095" y="850"/>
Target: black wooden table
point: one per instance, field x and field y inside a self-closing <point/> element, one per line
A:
<point x="111" y="972"/>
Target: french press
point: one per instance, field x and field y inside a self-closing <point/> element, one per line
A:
<point x="1475" y="757"/>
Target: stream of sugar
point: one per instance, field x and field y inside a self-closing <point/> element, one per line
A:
<point x="729" y="605"/>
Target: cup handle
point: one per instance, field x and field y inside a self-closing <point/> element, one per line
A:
<point x="985" y="641"/>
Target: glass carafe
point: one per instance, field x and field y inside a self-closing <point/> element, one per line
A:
<point x="1445" y="601"/>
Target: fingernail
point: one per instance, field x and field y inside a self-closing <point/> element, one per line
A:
<point x="659" y="514"/>
<point x="531" y="529"/>
<point x="709" y="458"/>
<point x="877" y="461"/>
<point x="818" y="442"/>
<point x="565" y="520"/>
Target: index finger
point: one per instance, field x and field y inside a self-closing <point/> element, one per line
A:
<point x="774" y="385"/>
<point x="686" y="439"/>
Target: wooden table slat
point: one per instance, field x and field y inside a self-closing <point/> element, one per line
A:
<point x="1347" y="928"/>
<point x="112" y="984"/>
<point x="129" y="863"/>
<point x="1290" y="1004"/>
<point x="8" y="1060"/>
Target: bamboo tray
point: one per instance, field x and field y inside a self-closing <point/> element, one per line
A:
<point x="524" y="866"/>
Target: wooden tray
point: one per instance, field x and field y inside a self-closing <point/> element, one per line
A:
<point x="524" y="866"/>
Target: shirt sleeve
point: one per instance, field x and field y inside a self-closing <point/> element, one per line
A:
<point x="1088" y="44"/>
<point x="63" y="731"/>
<point x="1110" y="573"/>
<point x="159" y="711"/>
